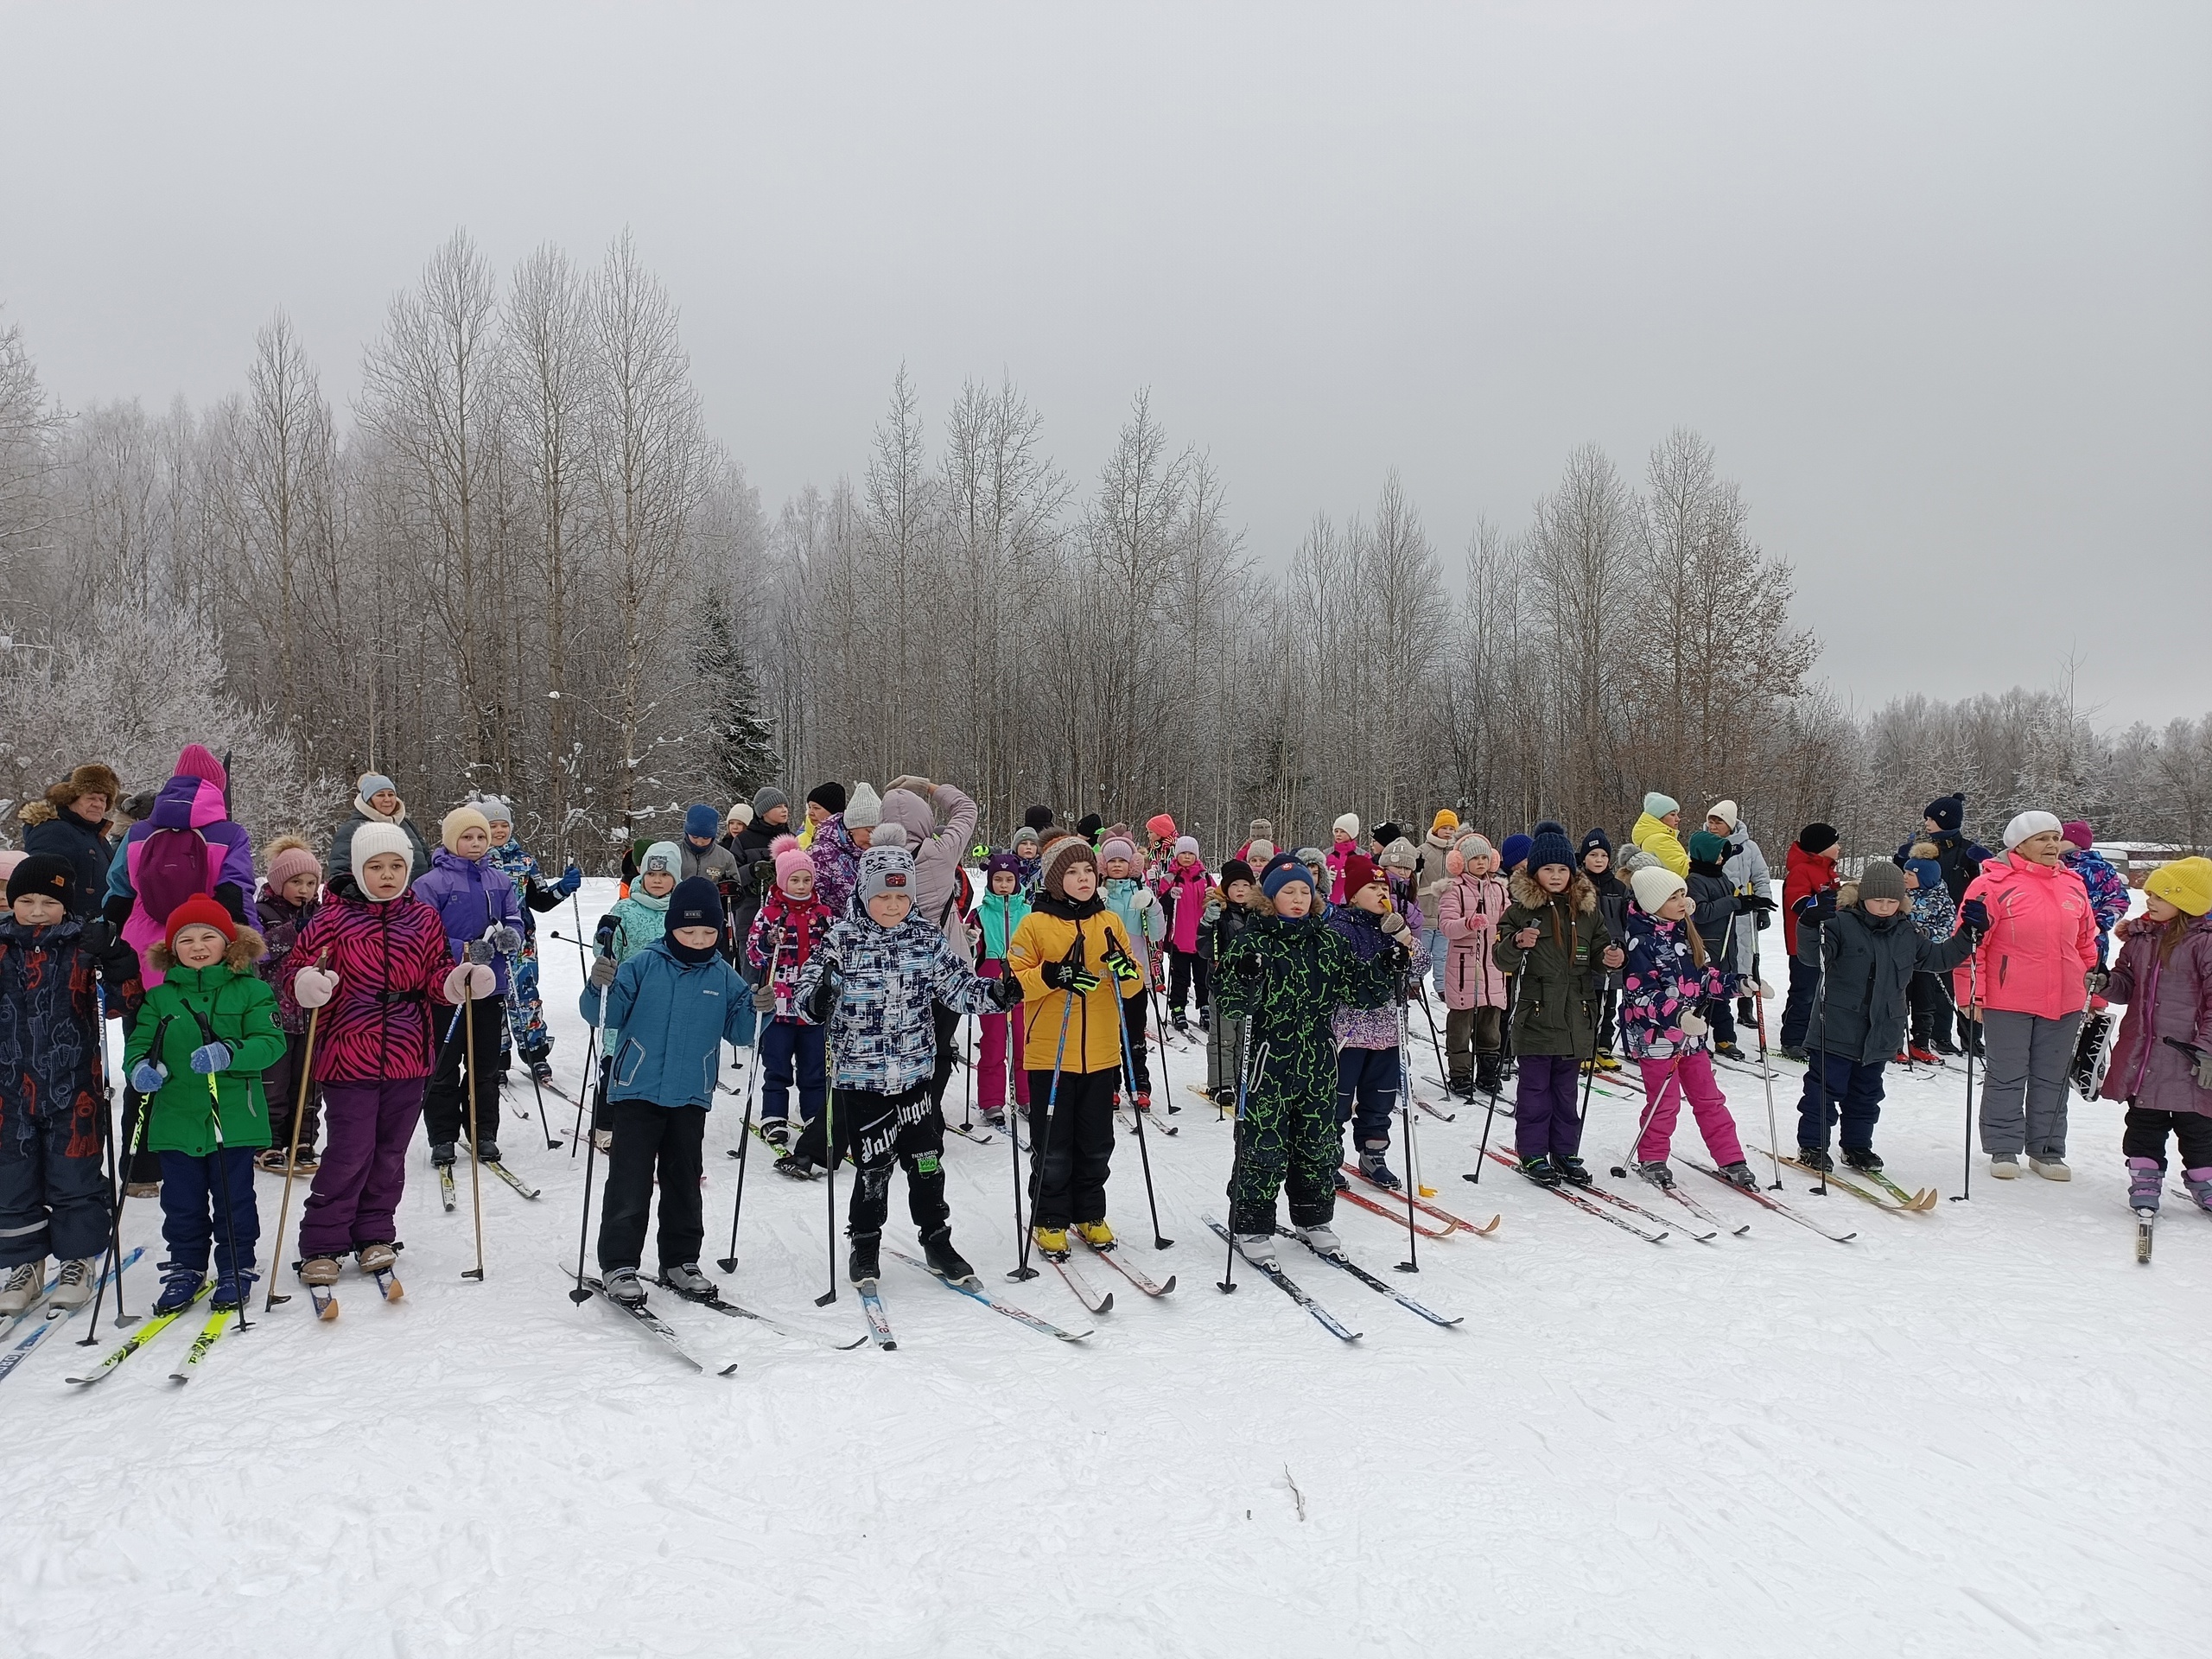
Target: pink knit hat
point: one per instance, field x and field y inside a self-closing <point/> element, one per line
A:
<point x="2078" y="832"/>
<point x="791" y="858"/>
<point x="291" y="858"/>
<point x="196" y="762"/>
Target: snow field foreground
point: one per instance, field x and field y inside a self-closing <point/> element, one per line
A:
<point x="1972" y="1432"/>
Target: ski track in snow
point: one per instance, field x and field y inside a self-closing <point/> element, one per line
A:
<point x="1967" y="1432"/>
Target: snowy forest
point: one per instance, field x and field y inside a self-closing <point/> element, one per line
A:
<point x="522" y="563"/>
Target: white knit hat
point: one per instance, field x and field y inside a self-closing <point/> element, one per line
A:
<point x="1725" y="811"/>
<point x="1347" y="825"/>
<point x="1654" y="886"/>
<point x="2029" y="823"/>
<point x="369" y="839"/>
<point x="864" y="807"/>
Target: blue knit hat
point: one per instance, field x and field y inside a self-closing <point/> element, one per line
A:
<point x="1283" y="869"/>
<point x="1594" y="839"/>
<point x="1949" y="811"/>
<point x="694" y="904"/>
<point x="1550" y="848"/>
<point x="1516" y="850"/>
<point x="703" y="821"/>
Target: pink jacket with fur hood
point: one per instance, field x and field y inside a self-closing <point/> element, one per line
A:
<point x="2042" y="939"/>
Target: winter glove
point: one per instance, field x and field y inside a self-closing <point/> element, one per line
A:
<point x="477" y="951"/>
<point x="147" y="1078"/>
<point x="470" y="981"/>
<point x="211" y="1058"/>
<point x="2203" y="1071"/>
<point x="571" y="879"/>
<point x="763" y="999"/>
<point x="1006" y="992"/>
<point x="823" y="1002"/>
<point x="1692" y="1027"/>
<point x="100" y="935"/>
<point x="504" y="939"/>
<point x="118" y="965"/>
<point x="1210" y="914"/>
<point x="2094" y="982"/>
<point x="1393" y="925"/>
<point x="603" y="968"/>
<point x="311" y="987"/>
<point x="603" y="1139"/>
<point x="1973" y="918"/>
<point x="603" y="936"/>
<point x="1815" y="908"/>
<point x="1124" y="966"/>
<point x="1066" y="977"/>
<point x="920" y="786"/>
<point x="1145" y="900"/>
<point x="1753" y="903"/>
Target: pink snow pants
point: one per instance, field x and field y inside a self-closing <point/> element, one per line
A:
<point x="1665" y="1083"/>
<point x="990" y="1082"/>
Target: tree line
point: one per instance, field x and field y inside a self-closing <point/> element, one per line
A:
<point x="521" y="563"/>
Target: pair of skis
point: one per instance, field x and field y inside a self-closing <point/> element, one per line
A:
<point x="52" y="1318"/>
<point x="1328" y="1321"/>
<point x="1393" y="1209"/>
<point x="1587" y="1200"/>
<point x="1899" y="1201"/>
<point x="218" y="1322"/>
<point x="970" y="1287"/>
<point x="325" y="1297"/>
<point x="1092" y="1299"/>
<point x="450" y="1198"/>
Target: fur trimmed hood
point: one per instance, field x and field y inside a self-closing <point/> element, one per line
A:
<point x="239" y="956"/>
<point x="1526" y="893"/>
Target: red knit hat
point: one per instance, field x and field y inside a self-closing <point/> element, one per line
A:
<point x="199" y="911"/>
<point x="1359" y="870"/>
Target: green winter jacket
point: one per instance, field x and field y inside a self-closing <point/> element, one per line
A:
<point x="1289" y="977"/>
<point x="240" y="1011"/>
<point x="1557" y="985"/>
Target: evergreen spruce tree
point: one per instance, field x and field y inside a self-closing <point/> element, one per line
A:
<point x="741" y="746"/>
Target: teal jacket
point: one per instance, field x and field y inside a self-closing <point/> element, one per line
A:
<point x="673" y="1018"/>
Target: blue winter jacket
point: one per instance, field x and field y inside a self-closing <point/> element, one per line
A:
<point x="674" y="1019"/>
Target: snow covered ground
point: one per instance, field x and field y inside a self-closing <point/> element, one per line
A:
<point x="1973" y="1432"/>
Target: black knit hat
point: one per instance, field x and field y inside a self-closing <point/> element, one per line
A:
<point x="1236" y="870"/>
<point x="830" y="797"/>
<point x="1816" y="838"/>
<point x="42" y="874"/>
<point x="1039" y="818"/>
<point x="1596" y="838"/>
<point x="1387" y="833"/>
<point x="1949" y="812"/>
<point x="694" y="904"/>
<point x="1088" y="825"/>
<point x="1551" y="847"/>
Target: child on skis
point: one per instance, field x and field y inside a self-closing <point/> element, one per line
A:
<point x="206" y="1034"/>
<point x="786" y="931"/>
<point x="1138" y="910"/>
<point x="1715" y="905"/>
<point x="1934" y="914"/>
<point x="1227" y="914"/>
<point x="1182" y="887"/>
<point x="290" y="895"/>
<point x="1344" y="842"/>
<point x="874" y="983"/>
<point x="1073" y="960"/>
<point x="999" y="914"/>
<point x="53" y="1124"/>
<point x="1474" y="990"/>
<point x="483" y="923"/>
<point x="1861" y="945"/>
<point x="374" y="960"/>
<point x="1029" y="854"/>
<point x="1368" y="1072"/>
<point x="533" y="1043"/>
<point x="635" y="921"/>
<point x="1285" y="977"/>
<point x="675" y="1001"/>
<point x="2162" y="1059"/>
<point x="1808" y="872"/>
<point x="1666" y="979"/>
<point x="1597" y="851"/>
<point x="1554" y="941"/>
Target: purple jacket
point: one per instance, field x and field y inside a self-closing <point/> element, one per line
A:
<point x="470" y="896"/>
<point x="185" y="802"/>
<point x="2171" y="998"/>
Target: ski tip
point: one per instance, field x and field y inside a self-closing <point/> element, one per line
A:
<point x="1169" y="1286"/>
<point x="327" y="1312"/>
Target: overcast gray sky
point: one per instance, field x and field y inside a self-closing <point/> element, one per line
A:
<point x="1934" y="279"/>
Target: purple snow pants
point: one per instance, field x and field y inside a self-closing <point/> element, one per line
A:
<point x="367" y="1127"/>
<point x="1545" y="1122"/>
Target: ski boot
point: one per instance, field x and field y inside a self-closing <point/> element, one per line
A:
<point x="1541" y="1170"/>
<point x="1728" y="1050"/>
<point x="1816" y="1158"/>
<point x="1378" y="1171"/>
<point x="1792" y="1051"/>
<point x="794" y="1167"/>
<point x="2004" y="1166"/>
<point x="1144" y="1100"/>
<point x="938" y="1251"/>
<point x="179" y="1285"/>
<point x="2199" y="1182"/>
<point x="320" y="1271"/>
<point x="75" y="1288"/>
<point x="624" y="1289"/>
<point x="1182" y="1024"/>
<point x="1097" y="1234"/>
<point x="864" y="1265"/>
<point x="1571" y="1170"/>
<point x="693" y="1286"/>
<point x="1322" y="1237"/>
<point x="1863" y="1158"/>
<point x="1053" y="1241"/>
<point x="1740" y="1175"/>
<point x="442" y="1156"/>
<point x="1655" y="1170"/>
<point x="1488" y="1080"/>
<point x="23" y="1287"/>
<point x="1342" y="1181"/>
<point x="1746" y="1013"/>
<point x="231" y="1289"/>
<point x="2145" y="1178"/>
<point x="1258" y="1249"/>
<point x="1607" y="1062"/>
<point x="487" y="1152"/>
<point x="541" y="1073"/>
<point x="777" y="1132"/>
<point x="1921" y="1054"/>
<point x="994" y="1117"/>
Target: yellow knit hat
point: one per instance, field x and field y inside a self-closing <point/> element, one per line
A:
<point x="460" y="818"/>
<point x="2186" y="884"/>
<point x="1447" y="819"/>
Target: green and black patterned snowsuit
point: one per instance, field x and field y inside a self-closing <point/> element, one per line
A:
<point x="1289" y="976"/>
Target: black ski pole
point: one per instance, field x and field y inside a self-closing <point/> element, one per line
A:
<point x="222" y="1172"/>
<point x="1159" y="1240"/>
<point x="728" y="1263"/>
<point x="1505" y="1035"/>
<point x="1973" y="1001"/>
<point x="830" y="1144"/>
<point x="1820" y="1015"/>
<point x="1042" y="1143"/>
<point x="594" y="1094"/>
<point x="1411" y="1263"/>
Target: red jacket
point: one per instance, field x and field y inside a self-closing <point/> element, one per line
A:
<point x="1805" y="873"/>
<point x="2042" y="939"/>
<point x="392" y="963"/>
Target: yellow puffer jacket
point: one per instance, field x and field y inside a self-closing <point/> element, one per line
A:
<point x="1048" y="934"/>
<point x="1662" y="843"/>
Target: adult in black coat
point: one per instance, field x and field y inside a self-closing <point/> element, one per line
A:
<point x="71" y="824"/>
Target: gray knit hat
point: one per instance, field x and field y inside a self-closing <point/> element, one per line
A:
<point x="886" y="869"/>
<point x="768" y="798"/>
<point x="1881" y="880"/>
<point x="864" y="807"/>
